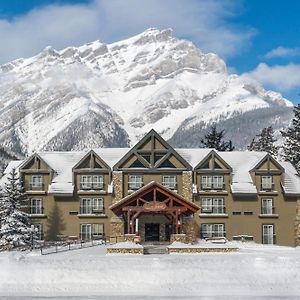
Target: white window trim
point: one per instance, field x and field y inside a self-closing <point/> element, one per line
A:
<point x="213" y="230"/>
<point x="214" y="205"/>
<point x="36" y="181"/>
<point x="266" y="208"/>
<point x="91" y="206"/>
<point x="135" y="182"/>
<point x="36" y="209"/>
<point x="89" y="182"/>
<point x="88" y="231"/>
<point x="266" y="182"/>
<point x="268" y="234"/>
<point x="169" y="181"/>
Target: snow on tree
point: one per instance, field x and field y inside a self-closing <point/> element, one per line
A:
<point x="15" y="228"/>
<point x="265" y="141"/>
<point x="214" y="139"/>
<point x="291" y="146"/>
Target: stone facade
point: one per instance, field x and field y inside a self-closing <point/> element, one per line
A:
<point x="117" y="177"/>
<point x="125" y="250"/>
<point x="178" y="238"/>
<point x="117" y="227"/>
<point x="193" y="250"/>
<point x="187" y="185"/>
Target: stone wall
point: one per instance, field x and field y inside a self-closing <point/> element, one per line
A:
<point x="297" y="224"/>
<point x="187" y="185"/>
<point x="125" y="250"/>
<point x="181" y="237"/>
<point x="116" y="227"/>
<point x="117" y="177"/>
<point x="201" y="250"/>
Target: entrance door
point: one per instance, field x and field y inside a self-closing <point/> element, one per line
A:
<point x="151" y="232"/>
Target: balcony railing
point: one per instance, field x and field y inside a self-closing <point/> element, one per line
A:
<point x="267" y="187"/>
<point x="92" y="186"/>
<point x="213" y="186"/>
<point x="269" y="239"/>
<point x="171" y="186"/>
<point x="268" y="210"/>
<point x="134" y="185"/>
<point x="213" y="210"/>
<point x="92" y="211"/>
<point x="35" y="210"/>
<point x="35" y="187"/>
<point x="212" y="234"/>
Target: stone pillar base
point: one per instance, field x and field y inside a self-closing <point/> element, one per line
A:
<point x="130" y="237"/>
<point x="178" y="238"/>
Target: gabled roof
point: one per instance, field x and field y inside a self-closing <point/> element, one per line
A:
<point x="29" y="159"/>
<point x="215" y="154"/>
<point x="150" y="135"/>
<point x="267" y="157"/>
<point x="117" y="207"/>
<point x="90" y="153"/>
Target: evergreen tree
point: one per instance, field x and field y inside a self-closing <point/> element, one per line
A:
<point x="14" y="225"/>
<point x="264" y="142"/>
<point x="291" y="146"/>
<point x="214" y="139"/>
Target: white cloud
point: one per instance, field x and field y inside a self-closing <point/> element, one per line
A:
<point x="282" y="78"/>
<point x="205" y="22"/>
<point x="282" y="52"/>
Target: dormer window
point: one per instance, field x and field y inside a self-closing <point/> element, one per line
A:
<point x="36" y="181"/>
<point x="91" y="182"/>
<point x="267" y="182"/>
<point x="212" y="182"/>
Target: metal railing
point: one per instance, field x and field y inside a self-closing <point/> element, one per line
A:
<point x="92" y="186"/>
<point x="268" y="210"/>
<point x="213" y="210"/>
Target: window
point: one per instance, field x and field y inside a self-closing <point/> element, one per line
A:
<point x="212" y="230"/>
<point x="213" y="205"/>
<point x="266" y="182"/>
<point x="268" y="234"/>
<point x="169" y="181"/>
<point x="267" y="207"/>
<point x="236" y="213"/>
<point x="88" y="182"/>
<point x="90" y="206"/>
<point x="135" y="182"/>
<point x="38" y="231"/>
<point x="90" y="231"/>
<point x="36" y="181"/>
<point x="212" y="182"/>
<point x="86" y="231"/>
<point x="36" y="206"/>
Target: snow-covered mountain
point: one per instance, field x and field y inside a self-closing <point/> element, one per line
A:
<point x="112" y="94"/>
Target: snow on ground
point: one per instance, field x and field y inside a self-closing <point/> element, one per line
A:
<point x="255" y="271"/>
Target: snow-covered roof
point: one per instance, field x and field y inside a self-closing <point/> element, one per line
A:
<point x="241" y="162"/>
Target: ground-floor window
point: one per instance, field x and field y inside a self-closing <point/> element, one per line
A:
<point x="212" y="230"/>
<point x="38" y="231"/>
<point x="268" y="234"/>
<point x="91" y="231"/>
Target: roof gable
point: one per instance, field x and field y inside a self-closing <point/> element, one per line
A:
<point x="152" y="152"/>
<point x="91" y="161"/>
<point x="213" y="161"/>
<point x="35" y="162"/>
<point x="268" y="164"/>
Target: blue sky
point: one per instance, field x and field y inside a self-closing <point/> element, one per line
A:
<point x="260" y="39"/>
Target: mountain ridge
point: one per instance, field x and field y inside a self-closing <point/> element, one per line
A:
<point x="110" y="95"/>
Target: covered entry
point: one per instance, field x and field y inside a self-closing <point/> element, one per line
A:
<point x="154" y="212"/>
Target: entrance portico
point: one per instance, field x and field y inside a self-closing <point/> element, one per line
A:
<point x="154" y="212"/>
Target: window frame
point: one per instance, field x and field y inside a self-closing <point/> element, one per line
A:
<point x="91" y="205"/>
<point x="215" y="205"/>
<point x="266" y="240"/>
<point x="36" y="209"/>
<point x="170" y="185"/>
<point x="212" y="182"/>
<point x="92" y="230"/>
<point x="133" y="183"/>
<point x="267" y="209"/>
<point x="91" y="182"/>
<point x="270" y="182"/>
<point x="34" y="183"/>
<point x="213" y="230"/>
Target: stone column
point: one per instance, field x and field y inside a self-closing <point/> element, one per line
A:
<point x="297" y="224"/>
<point x="117" y="177"/>
<point x="187" y="185"/>
<point x="116" y="227"/>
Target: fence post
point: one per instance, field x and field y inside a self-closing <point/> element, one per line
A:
<point x="56" y="247"/>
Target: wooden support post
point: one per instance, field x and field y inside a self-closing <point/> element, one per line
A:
<point x="128" y="222"/>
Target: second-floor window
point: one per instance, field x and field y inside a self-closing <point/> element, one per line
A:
<point x="90" y="206"/>
<point x="36" y="181"/>
<point x="266" y="182"/>
<point x="169" y="181"/>
<point x="212" y="182"/>
<point x="212" y="205"/>
<point x="91" y="182"/>
<point x="36" y="206"/>
<point x="135" y="182"/>
<point x="267" y="207"/>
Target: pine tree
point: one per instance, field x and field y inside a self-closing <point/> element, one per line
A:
<point x="214" y="139"/>
<point x="14" y="226"/>
<point x="291" y="146"/>
<point x="264" y="142"/>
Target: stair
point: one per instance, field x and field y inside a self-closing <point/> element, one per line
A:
<point x="155" y="249"/>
